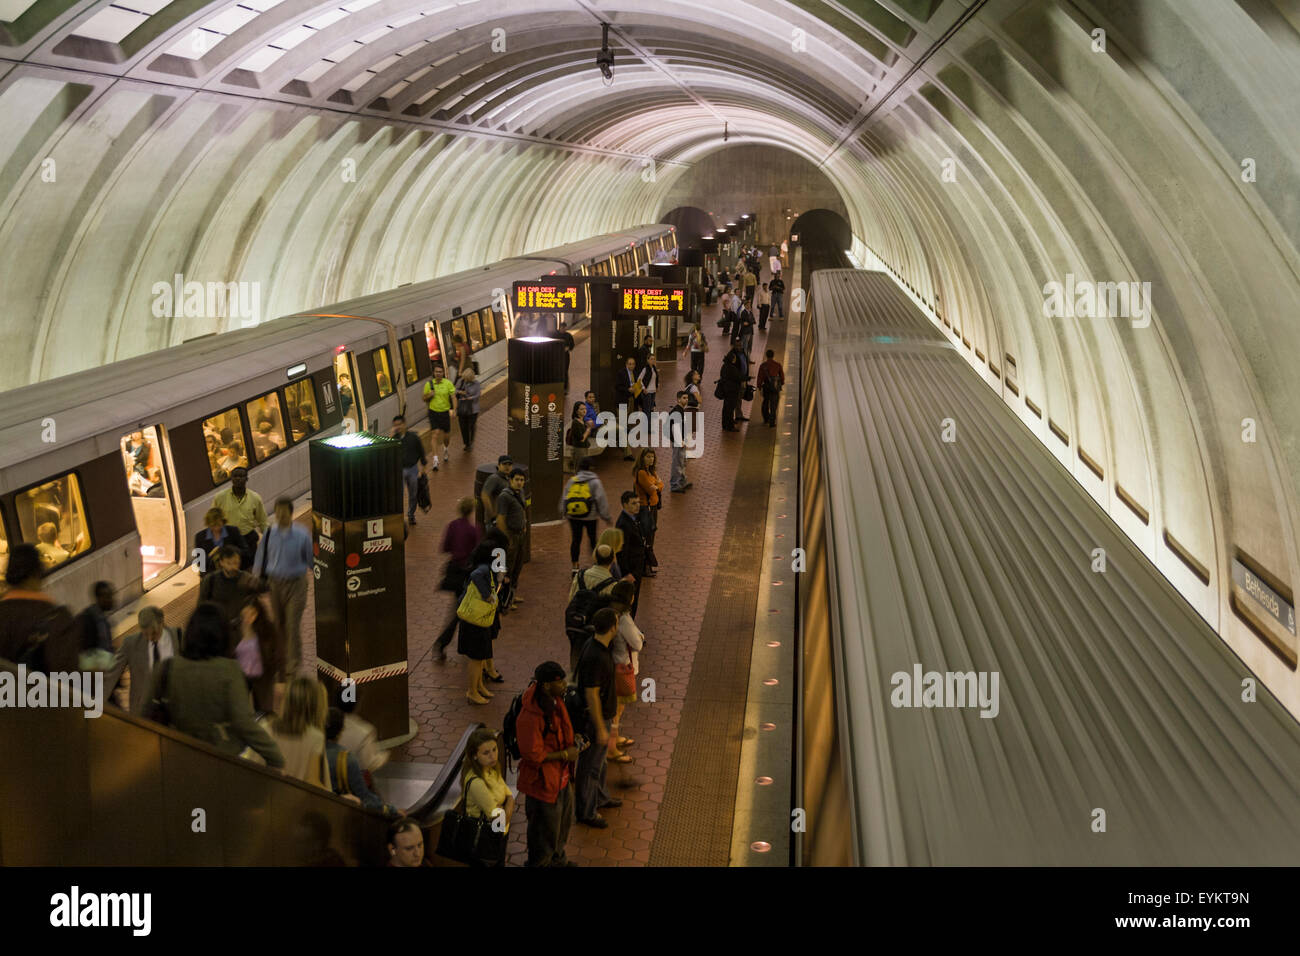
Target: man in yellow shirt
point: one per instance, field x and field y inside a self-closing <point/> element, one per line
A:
<point x="243" y="508"/>
<point x="441" y="396"/>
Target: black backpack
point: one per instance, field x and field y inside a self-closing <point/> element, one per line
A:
<point x="586" y="602"/>
<point x="575" y="702"/>
<point x="509" y="732"/>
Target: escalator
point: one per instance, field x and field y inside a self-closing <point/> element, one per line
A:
<point x="116" y="790"/>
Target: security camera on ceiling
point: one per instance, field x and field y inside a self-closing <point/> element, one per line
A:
<point x="605" y="58"/>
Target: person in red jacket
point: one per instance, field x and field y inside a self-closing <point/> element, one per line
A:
<point x="547" y="752"/>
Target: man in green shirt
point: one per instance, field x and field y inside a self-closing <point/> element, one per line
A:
<point x="441" y="396"/>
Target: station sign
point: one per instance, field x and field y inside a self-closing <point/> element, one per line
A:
<point x="558" y="294"/>
<point x="645" y="300"/>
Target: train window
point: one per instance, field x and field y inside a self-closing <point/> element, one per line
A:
<point x="268" y="426"/>
<point x="4" y="550"/>
<point x="227" y="444"/>
<point x="52" y="517"/>
<point x="458" y="334"/>
<point x="475" y="331"/>
<point x="498" y="321"/>
<point x="383" y="374"/>
<point x="490" y="332"/>
<point x="303" y="419"/>
<point x="408" y="362"/>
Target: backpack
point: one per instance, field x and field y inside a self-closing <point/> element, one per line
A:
<point x="586" y="602"/>
<point x="509" y="732"/>
<point x="575" y="702"/>
<point x="577" y="504"/>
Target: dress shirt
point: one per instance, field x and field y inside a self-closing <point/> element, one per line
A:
<point x="284" y="554"/>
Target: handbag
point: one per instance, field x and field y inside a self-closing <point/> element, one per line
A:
<point x="637" y="389"/>
<point x="718" y="393"/>
<point x="422" y="497"/>
<point x="470" y="840"/>
<point x="624" y="680"/>
<point x="749" y="393"/>
<point x="474" y="610"/>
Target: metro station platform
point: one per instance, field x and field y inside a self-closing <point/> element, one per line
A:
<point x="705" y="537"/>
<point x="678" y="801"/>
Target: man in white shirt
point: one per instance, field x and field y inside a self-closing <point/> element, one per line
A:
<point x="142" y="653"/>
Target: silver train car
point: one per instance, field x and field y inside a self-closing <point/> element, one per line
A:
<point x="109" y="472"/>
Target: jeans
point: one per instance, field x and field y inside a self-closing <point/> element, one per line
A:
<point x="576" y="528"/>
<point x="548" y="828"/>
<point x="648" y="518"/>
<point x="697" y="362"/>
<point x="591" y="777"/>
<point x="747" y="341"/>
<point x="770" y="397"/>
<point x="678" y="477"/>
<point x="411" y="477"/>
<point x="288" y="601"/>
<point x="468" y="425"/>
<point x="648" y="402"/>
<point x="778" y="310"/>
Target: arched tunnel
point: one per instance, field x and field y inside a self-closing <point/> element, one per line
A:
<point x="1101" y="196"/>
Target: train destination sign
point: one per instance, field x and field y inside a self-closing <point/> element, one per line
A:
<point x="652" y="300"/>
<point x="559" y="294"/>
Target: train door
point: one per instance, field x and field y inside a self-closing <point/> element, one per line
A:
<point x="345" y="377"/>
<point x="148" y="471"/>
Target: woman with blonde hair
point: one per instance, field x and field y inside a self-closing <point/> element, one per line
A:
<point x="468" y="392"/>
<point x="300" y="731"/>
<point x="484" y="788"/>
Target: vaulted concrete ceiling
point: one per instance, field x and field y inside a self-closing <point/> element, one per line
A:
<point x="982" y="148"/>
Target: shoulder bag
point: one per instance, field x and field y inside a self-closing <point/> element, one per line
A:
<point x="474" y="609"/>
<point x="470" y="840"/>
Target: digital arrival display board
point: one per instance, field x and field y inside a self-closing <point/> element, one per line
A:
<point x="645" y="300"/>
<point x="560" y="294"/>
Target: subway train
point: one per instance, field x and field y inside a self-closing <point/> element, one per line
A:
<point x="109" y="472"/>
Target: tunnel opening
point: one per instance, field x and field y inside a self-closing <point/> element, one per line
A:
<point x="826" y="224"/>
<point x="691" y="222"/>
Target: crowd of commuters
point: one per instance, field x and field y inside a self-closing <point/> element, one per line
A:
<point x="231" y="677"/>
